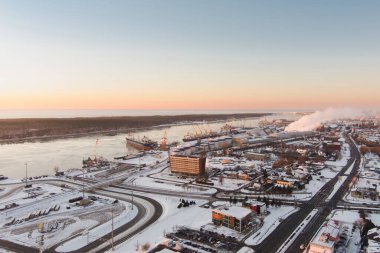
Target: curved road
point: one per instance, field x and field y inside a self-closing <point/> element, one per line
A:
<point x="149" y="210"/>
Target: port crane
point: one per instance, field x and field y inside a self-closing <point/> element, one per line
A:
<point x="200" y="130"/>
<point x="95" y="148"/>
<point x="205" y="129"/>
<point x="196" y="132"/>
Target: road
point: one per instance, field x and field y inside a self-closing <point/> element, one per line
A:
<point x="149" y="210"/>
<point x="274" y="241"/>
<point x="326" y="206"/>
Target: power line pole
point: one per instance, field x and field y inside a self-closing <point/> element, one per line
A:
<point x="83" y="184"/>
<point x="132" y="195"/>
<point x="112" y="229"/>
<point x="26" y="174"/>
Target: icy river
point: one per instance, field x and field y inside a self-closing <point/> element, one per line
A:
<point x="42" y="157"/>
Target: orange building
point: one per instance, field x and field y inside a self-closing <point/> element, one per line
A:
<point x="234" y="217"/>
<point x="188" y="165"/>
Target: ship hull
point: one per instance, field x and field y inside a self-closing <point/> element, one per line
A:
<point x="139" y="145"/>
<point x="201" y="137"/>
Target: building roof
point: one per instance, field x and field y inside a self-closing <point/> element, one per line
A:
<point x="322" y="237"/>
<point x="166" y="251"/>
<point x="374" y="234"/>
<point x="235" y="211"/>
<point x="255" y="202"/>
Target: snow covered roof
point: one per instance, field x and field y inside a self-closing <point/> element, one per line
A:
<point x="332" y="229"/>
<point x="246" y="250"/>
<point x="374" y="234"/>
<point x="166" y="251"/>
<point x="235" y="211"/>
<point x="255" y="202"/>
<point x="324" y="235"/>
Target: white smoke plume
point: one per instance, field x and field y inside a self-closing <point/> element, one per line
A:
<point x="313" y="121"/>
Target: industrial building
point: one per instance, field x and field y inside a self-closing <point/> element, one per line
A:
<point x="256" y="156"/>
<point x="188" y="165"/>
<point x="234" y="217"/>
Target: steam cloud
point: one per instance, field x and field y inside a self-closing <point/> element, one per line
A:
<point x="313" y="121"/>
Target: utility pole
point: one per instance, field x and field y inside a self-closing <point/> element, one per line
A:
<point x="112" y="230"/>
<point x="132" y="195"/>
<point x="83" y="184"/>
<point x="26" y="174"/>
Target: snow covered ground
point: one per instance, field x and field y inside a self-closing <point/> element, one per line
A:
<point x="148" y="159"/>
<point x="229" y="183"/>
<point x="229" y="163"/>
<point x="193" y="216"/>
<point x="94" y="234"/>
<point x="10" y="181"/>
<point x="153" y="183"/>
<point x="49" y="205"/>
<point x="352" y="216"/>
<point x="5" y="251"/>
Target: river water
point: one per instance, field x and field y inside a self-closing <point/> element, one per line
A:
<point x="42" y="157"/>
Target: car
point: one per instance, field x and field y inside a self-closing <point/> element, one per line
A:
<point x="206" y="206"/>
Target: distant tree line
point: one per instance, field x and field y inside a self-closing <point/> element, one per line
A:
<point x="41" y="127"/>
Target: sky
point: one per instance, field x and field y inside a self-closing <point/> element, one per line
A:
<point x="199" y="54"/>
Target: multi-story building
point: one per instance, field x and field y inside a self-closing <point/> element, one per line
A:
<point x="234" y="217"/>
<point x="188" y="165"/>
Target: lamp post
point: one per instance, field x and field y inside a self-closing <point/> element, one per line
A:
<point x="133" y="183"/>
<point x="112" y="242"/>
<point x="26" y="174"/>
<point x="83" y="183"/>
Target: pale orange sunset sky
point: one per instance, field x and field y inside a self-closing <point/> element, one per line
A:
<point x="189" y="55"/>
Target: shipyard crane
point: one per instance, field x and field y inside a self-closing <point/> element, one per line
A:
<point x="196" y="132"/>
<point x="200" y="130"/>
<point x="163" y="141"/>
<point x="205" y="129"/>
<point x="209" y="128"/>
<point x="95" y="147"/>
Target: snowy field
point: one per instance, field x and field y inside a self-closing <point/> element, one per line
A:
<point x="193" y="216"/>
<point x="88" y="236"/>
<point x="229" y="184"/>
<point x="153" y="183"/>
<point x="349" y="216"/>
<point x="48" y="206"/>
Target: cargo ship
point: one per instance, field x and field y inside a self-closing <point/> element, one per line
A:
<point x="144" y="144"/>
<point x="190" y="137"/>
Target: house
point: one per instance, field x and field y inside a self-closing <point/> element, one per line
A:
<point x="257" y="207"/>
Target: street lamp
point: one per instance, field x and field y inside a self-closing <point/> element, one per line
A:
<point x="83" y="183"/>
<point x="26" y="174"/>
<point x="133" y="183"/>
